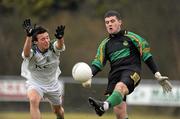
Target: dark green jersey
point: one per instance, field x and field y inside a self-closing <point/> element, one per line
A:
<point x="123" y="50"/>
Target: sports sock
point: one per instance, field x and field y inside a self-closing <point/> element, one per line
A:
<point x="106" y="105"/>
<point x="115" y="98"/>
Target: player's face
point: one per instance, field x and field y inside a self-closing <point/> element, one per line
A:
<point x="113" y="25"/>
<point x="43" y="41"/>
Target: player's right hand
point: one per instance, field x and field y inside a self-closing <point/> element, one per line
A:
<point x="87" y="84"/>
<point x="28" y="27"/>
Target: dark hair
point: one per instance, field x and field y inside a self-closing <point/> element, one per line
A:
<point x="112" y="13"/>
<point x="38" y="30"/>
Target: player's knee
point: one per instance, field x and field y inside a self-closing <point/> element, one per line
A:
<point x="122" y="88"/>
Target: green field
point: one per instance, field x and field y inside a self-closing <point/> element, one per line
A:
<point x="25" y="115"/>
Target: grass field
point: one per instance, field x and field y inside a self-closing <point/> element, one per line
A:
<point x="25" y="115"/>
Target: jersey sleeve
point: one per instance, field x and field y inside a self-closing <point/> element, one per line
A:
<point x="141" y="44"/>
<point x="57" y="51"/>
<point x="152" y="65"/>
<point x="100" y="58"/>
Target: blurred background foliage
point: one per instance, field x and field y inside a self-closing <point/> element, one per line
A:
<point x="156" y="20"/>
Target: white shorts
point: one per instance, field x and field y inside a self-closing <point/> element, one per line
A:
<point x="53" y="92"/>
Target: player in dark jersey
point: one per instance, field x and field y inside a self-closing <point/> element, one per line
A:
<point x="124" y="50"/>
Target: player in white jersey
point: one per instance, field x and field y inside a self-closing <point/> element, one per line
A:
<point x="41" y="68"/>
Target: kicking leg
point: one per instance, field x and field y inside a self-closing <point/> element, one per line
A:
<point x="115" y="99"/>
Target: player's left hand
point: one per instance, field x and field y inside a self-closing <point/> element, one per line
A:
<point x="87" y="84"/>
<point x="28" y="27"/>
<point x="59" y="32"/>
<point x="163" y="81"/>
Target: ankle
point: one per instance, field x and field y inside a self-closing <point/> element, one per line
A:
<point x="106" y="105"/>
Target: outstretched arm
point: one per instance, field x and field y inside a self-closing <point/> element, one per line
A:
<point x="27" y="46"/>
<point x="144" y="50"/>
<point x="98" y="63"/>
<point x="95" y="70"/>
<point x="59" y="35"/>
<point x="29" y="32"/>
<point x="163" y="80"/>
<point x="152" y="65"/>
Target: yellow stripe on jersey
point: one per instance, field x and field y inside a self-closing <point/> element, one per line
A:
<point x="137" y="40"/>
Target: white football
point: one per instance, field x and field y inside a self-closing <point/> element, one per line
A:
<point x="81" y="72"/>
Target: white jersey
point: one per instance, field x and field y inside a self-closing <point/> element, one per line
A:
<point x="42" y="69"/>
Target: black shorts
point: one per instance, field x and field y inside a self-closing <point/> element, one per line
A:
<point x="128" y="77"/>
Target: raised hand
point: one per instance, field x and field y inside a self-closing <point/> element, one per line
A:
<point x="28" y="27"/>
<point x="59" y="32"/>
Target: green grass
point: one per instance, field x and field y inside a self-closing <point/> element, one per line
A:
<point x="25" y="115"/>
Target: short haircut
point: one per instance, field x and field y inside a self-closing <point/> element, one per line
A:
<point x="112" y="13"/>
<point x="38" y="30"/>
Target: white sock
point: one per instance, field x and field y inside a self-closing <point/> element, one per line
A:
<point x="106" y="105"/>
